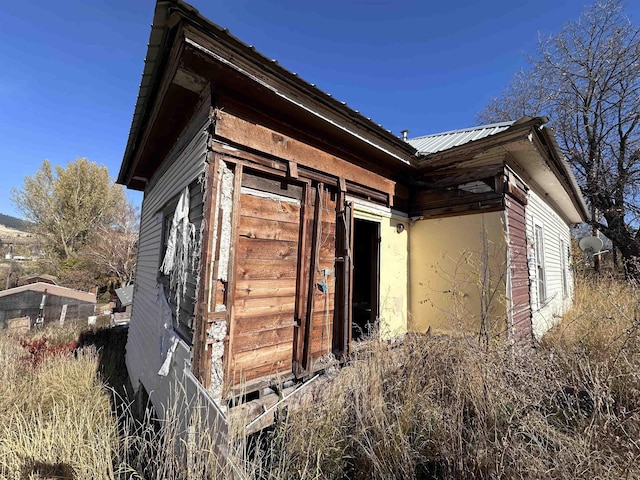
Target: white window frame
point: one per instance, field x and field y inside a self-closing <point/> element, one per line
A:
<point x="541" y="274"/>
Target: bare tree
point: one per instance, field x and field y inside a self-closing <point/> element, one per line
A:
<point x="112" y="248"/>
<point x="587" y="79"/>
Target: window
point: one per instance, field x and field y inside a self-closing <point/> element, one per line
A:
<point x="563" y="267"/>
<point x="179" y="256"/>
<point x="539" y="259"/>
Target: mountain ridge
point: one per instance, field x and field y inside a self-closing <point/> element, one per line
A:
<point x="13" y="222"/>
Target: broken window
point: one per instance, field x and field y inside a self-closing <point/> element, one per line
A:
<point x="179" y="261"/>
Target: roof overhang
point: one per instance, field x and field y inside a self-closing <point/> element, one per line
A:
<point x="179" y="30"/>
<point x="532" y="150"/>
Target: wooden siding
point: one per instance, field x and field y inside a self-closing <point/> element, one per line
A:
<point x="242" y="132"/>
<point x="275" y="254"/>
<point x="438" y="203"/>
<point x="545" y="314"/>
<point x="149" y="332"/>
<point x="520" y="307"/>
<point x="266" y="272"/>
<point x="323" y="298"/>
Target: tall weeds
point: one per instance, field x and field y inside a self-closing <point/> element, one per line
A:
<point x="425" y="407"/>
<point x="441" y="407"/>
<point x="55" y="417"/>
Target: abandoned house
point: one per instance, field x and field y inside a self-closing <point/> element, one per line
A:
<point x="279" y="227"/>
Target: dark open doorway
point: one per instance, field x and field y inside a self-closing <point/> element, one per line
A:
<point x="366" y="277"/>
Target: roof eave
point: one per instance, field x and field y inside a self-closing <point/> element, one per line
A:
<point x="519" y="128"/>
<point x="161" y="37"/>
<point x="565" y="170"/>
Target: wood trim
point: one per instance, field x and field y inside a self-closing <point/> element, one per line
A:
<point x="231" y="276"/>
<point x="342" y="306"/>
<point x="281" y="168"/>
<point x="276" y="166"/>
<point x="313" y="266"/>
<point x="201" y="366"/>
<point x="342" y="185"/>
<point x="158" y="100"/>
<point x="302" y="281"/>
<point x="293" y="169"/>
<point x="496" y="205"/>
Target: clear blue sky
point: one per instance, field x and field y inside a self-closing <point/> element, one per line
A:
<point x="71" y="69"/>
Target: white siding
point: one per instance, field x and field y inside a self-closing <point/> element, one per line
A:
<point x="150" y="332"/>
<point x="546" y="313"/>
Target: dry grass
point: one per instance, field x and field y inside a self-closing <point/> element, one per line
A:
<point x="428" y="407"/>
<point x="441" y="407"/>
<point x="55" y="419"/>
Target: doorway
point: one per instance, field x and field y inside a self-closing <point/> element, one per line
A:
<point x="366" y="278"/>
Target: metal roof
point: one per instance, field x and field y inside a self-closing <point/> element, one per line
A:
<point x="438" y="142"/>
<point x="125" y="295"/>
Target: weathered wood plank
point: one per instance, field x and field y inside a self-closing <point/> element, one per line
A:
<point x="269" y="208"/>
<point x="266" y="338"/>
<point x="303" y="278"/>
<point x="257" y="363"/>
<point x="260" y="269"/>
<point x="279" y="186"/>
<point x="259" y="323"/>
<point x="467" y="209"/>
<point x="251" y="227"/>
<point x="267" y="249"/>
<point x="233" y="276"/>
<point x="323" y="302"/>
<point x="247" y="307"/>
<point x="261" y="138"/>
<point x="266" y="288"/>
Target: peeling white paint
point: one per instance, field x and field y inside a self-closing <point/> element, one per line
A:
<point x="226" y="206"/>
<point x="222" y="222"/>
<point x="217" y="333"/>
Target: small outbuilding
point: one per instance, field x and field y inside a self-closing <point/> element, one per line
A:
<point x="51" y="303"/>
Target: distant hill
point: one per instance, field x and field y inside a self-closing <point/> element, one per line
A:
<point x="13" y="222"/>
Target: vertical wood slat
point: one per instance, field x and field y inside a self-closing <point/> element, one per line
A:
<point x="350" y="275"/>
<point x="302" y="280"/>
<point x="313" y="266"/>
<point x="342" y="317"/>
<point x="202" y="361"/>
<point x="231" y="276"/>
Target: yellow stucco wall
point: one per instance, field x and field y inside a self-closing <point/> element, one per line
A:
<point x="394" y="278"/>
<point x="456" y="264"/>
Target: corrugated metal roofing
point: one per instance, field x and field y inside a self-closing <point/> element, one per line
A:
<point x="125" y="294"/>
<point x="438" y="142"/>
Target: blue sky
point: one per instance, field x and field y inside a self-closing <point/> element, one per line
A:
<point x="71" y="69"/>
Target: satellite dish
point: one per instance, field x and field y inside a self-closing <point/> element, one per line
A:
<point x="590" y="245"/>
